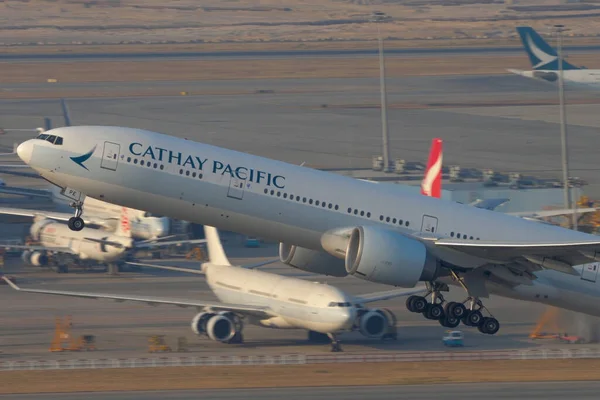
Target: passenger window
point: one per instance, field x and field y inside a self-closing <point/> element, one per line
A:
<point x="272" y="192"/>
<point x="278" y="194"/>
<point x="400" y="221"/>
<point x="355" y="212"/>
<point x="349" y="210"/>
<point x="407" y="223"/>
<point x="381" y="217"/>
<point x="362" y="213"/>
<point x="193" y="174"/>
<point x="368" y="215"/>
<point x="285" y="195"/>
<point x="394" y="220"/>
<point x="336" y="207"/>
<point x="451" y="234"/>
<point x="135" y="160"/>
<point x="387" y="219"/>
<point x="163" y="167"/>
<point x="310" y="201"/>
<point x="316" y="202"/>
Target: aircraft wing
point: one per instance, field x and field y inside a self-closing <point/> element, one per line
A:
<point x="38" y="248"/>
<point x="388" y="294"/>
<point x="150" y="245"/>
<point x="553" y="213"/>
<point x="558" y="256"/>
<point x="154" y="301"/>
<point x="58" y="216"/>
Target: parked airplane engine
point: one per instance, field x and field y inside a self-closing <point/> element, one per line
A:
<point x="199" y="322"/>
<point x="35" y="258"/>
<point x="220" y="327"/>
<point x="375" y="322"/>
<point x="312" y="261"/>
<point x="388" y="257"/>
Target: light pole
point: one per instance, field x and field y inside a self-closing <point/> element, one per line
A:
<point x="384" y="119"/>
<point x="563" y="127"/>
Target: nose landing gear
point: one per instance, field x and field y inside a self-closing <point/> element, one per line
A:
<point x="76" y="223"/>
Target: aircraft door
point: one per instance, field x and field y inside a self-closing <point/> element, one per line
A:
<point x="590" y="272"/>
<point x="110" y="156"/>
<point x="429" y="224"/>
<point x="236" y="188"/>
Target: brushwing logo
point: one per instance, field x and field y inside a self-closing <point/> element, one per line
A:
<point x="83" y="158"/>
<point x="541" y="55"/>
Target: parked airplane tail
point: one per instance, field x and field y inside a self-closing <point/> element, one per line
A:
<point x="124" y="226"/>
<point x="431" y="185"/>
<point x="541" y="54"/>
<point x="216" y="254"/>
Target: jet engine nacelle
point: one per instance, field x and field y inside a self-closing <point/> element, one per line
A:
<point x="312" y="261"/>
<point x="35" y="258"/>
<point x="220" y="327"/>
<point x="376" y="322"/>
<point x="199" y="322"/>
<point x="388" y="257"/>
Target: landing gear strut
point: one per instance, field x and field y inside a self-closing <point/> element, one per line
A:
<point x="76" y="223"/>
<point x="335" y="344"/>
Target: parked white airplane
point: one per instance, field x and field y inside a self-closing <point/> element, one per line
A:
<point x="327" y="223"/>
<point x="58" y="245"/>
<point x="545" y="63"/>
<point x="268" y="300"/>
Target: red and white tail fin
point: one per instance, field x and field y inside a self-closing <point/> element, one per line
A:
<point x="431" y="185"/>
<point x="124" y="226"/>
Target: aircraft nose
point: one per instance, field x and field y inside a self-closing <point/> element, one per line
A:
<point x="25" y="150"/>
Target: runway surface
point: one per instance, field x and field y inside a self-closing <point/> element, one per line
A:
<point x="267" y="53"/>
<point x="253" y="54"/>
<point x="488" y="391"/>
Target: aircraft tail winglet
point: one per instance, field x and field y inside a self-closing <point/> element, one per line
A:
<point x="431" y="185"/>
<point x="216" y="254"/>
<point x="124" y="226"/>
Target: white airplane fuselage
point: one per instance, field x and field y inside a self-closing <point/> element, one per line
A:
<point x="574" y="79"/>
<point x="287" y="203"/>
<point x="298" y="303"/>
<point x="50" y="233"/>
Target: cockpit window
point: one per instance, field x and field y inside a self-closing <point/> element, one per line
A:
<point x="50" y="138"/>
<point x="334" y="304"/>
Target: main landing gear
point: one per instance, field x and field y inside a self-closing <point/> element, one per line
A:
<point x="451" y="314"/>
<point x="76" y="223"/>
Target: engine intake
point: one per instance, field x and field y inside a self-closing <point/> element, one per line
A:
<point x="388" y="257"/>
<point x="376" y="322"/>
<point x="35" y="258"/>
<point x="311" y="260"/>
<point x="221" y="327"/>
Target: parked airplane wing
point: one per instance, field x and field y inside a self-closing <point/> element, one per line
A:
<point x="154" y="301"/>
<point x="58" y="216"/>
<point x="557" y="256"/>
<point x="149" y="245"/>
<point x="553" y="213"/>
<point x="388" y="294"/>
<point x="37" y="248"/>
